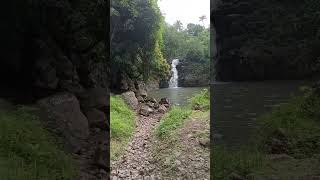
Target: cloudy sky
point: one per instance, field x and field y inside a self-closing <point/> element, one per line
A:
<point x="187" y="11"/>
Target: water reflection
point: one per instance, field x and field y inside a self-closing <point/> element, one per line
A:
<point x="178" y="96"/>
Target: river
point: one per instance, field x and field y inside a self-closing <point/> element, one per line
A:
<point x="237" y="105"/>
<point x="177" y="96"/>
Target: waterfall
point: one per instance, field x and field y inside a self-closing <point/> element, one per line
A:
<point x="173" y="83"/>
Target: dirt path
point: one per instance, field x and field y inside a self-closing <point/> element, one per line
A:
<point x="188" y="155"/>
<point x="136" y="163"/>
<point x="185" y="157"/>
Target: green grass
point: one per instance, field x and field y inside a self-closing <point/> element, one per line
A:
<point x="299" y="120"/>
<point x="29" y="152"/>
<point x="177" y="116"/>
<point x="122" y="124"/>
<point x="174" y="119"/>
<point x="201" y="101"/>
<point x="242" y="162"/>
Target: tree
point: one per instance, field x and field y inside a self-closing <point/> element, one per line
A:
<point x="194" y="29"/>
<point x="178" y="25"/>
<point x="136" y="40"/>
<point x="202" y="18"/>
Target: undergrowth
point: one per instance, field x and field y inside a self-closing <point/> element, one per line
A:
<point x="201" y="101"/>
<point x="28" y="151"/>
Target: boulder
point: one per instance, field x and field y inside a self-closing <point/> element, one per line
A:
<point x="150" y="99"/>
<point x="156" y="105"/>
<point x="62" y="114"/>
<point x="96" y="118"/>
<point x="150" y="104"/>
<point x="145" y="110"/>
<point x="130" y="98"/>
<point x="164" y="101"/>
<point x="143" y="93"/>
<point x="277" y="143"/>
<point x="140" y="99"/>
<point x="162" y="109"/>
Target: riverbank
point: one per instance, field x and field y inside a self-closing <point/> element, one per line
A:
<point x="286" y="143"/>
<point x="188" y="126"/>
<point x="181" y="141"/>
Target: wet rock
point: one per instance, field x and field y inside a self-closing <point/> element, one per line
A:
<point x="62" y="114"/>
<point x="130" y="98"/>
<point x="145" y="110"/>
<point x="164" y="101"/>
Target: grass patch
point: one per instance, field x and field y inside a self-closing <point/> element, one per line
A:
<point x="242" y="162"/>
<point x="172" y="121"/>
<point x="29" y="152"/>
<point x="122" y="120"/>
<point x="177" y="116"/>
<point x="201" y="101"/>
<point x="299" y="120"/>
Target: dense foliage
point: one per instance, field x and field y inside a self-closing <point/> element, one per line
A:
<point x="191" y="46"/>
<point x="136" y="39"/>
<point x="191" y="43"/>
<point x="276" y="40"/>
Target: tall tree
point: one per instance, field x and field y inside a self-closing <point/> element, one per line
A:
<point x="202" y="18"/>
<point x="136" y="37"/>
<point x="178" y="25"/>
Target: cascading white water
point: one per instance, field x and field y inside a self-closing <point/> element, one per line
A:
<point x="173" y="83"/>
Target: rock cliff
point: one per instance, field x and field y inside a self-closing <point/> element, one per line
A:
<point x="54" y="54"/>
<point x="265" y="39"/>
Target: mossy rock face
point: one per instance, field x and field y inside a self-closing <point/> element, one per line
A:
<point x="258" y="40"/>
<point x="63" y="115"/>
<point x="44" y="37"/>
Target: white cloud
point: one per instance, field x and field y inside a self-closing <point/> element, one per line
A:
<point x="187" y="11"/>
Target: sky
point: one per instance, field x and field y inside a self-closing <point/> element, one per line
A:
<point x="187" y="11"/>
